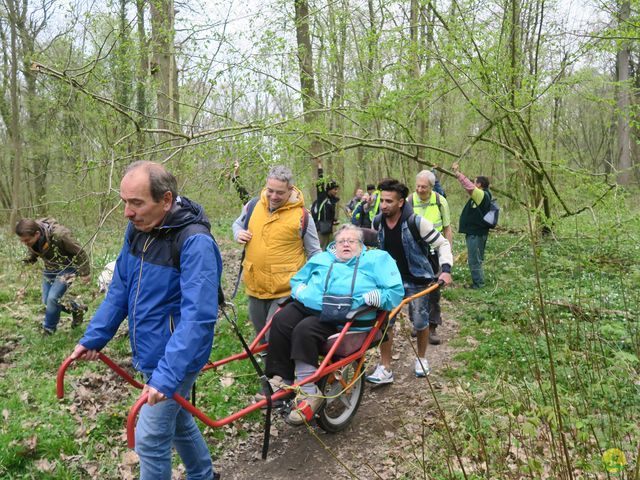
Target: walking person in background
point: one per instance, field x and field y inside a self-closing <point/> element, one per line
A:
<point x="351" y="206"/>
<point x="64" y="259"/>
<point x="237" y="184"/>
<point x="323" y="209"/>
<point x="431" y="205"/>
<point x="360" y="216"/>
<point x="471" y="224"/>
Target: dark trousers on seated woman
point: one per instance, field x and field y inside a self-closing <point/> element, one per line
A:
<point x="296" y="334"/>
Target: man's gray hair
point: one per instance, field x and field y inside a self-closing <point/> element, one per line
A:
<point x="428" y="175"/>
<point x="160" y="179"/>
<point x="281" y="173"/>
<point x="349" y="227"/>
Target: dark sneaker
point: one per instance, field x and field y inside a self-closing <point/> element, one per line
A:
<point x="77" y="317"/>
<point x="434" y="339"/>
<point x="47" y="331"/>
<point x="77" y="314"/>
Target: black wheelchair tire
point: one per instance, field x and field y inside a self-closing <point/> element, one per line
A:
<point x="338" y="411"/>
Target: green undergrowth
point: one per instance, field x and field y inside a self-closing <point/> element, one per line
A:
<point x="534" y="350"/>
<point x="82" y="436"/>
<point x="537" y="351"/>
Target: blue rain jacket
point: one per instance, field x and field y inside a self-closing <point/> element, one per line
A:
<point x="172" y="305"/>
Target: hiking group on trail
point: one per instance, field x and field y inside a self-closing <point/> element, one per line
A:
<point x="166" y="281"/>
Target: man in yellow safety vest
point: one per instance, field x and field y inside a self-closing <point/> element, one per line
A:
<point x="434" y="207"/>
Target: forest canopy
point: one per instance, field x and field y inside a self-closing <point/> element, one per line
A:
<point x="539" y="95"/>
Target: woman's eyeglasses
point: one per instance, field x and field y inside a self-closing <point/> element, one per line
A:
<point x="347" y="241"/>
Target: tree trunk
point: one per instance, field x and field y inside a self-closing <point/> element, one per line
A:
<point x="163" y="67"/>
<point x="310" y="99"/>
<point x="122" y="62"/>
<point x="625" y="176"/>
<point x="35" y="155"/>
<point x="415" y="61"/>
<point x="15" y="132"/>
<point x="142" y="72"/>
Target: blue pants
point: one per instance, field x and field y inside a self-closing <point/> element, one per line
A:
<point x="53" y="288"/>
<point x="419" y="308"/>
<point x="475" y="253"/>
<point x="167" y="424"/>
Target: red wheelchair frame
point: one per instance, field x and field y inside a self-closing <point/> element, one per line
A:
<point x="344" y="374"/>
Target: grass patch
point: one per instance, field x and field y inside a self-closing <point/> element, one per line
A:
<point x="535" y="351"/>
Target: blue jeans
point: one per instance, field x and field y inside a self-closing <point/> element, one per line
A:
<point x="418" y="308"/>
<point x="167" y="424"/>
<point x="53" y="288"/>
<point x="475" y="250"/>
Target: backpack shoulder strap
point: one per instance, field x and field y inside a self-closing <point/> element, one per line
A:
<point x="439" y="203"/>
<point x="250" y="208"/>
<point x="304" y="222"/>
<point x="414" y="227"/>
<point x="178" y="238"/>
<point x="377" y="220"/>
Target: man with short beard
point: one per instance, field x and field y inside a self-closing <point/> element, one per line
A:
<point x="395" y="236"/>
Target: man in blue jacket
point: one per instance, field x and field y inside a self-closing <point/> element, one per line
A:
<point x="166" y="282"/>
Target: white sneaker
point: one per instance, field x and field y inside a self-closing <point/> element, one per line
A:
<point x="422" y="367"/>
<point x="380" y="376"/>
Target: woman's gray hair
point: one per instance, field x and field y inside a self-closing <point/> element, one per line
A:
<point x="431" y="178"/>
<point x="349" y="227"/>
<point x="281" y="173"/>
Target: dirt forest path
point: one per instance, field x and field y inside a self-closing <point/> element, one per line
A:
<point x="382" y="437"/>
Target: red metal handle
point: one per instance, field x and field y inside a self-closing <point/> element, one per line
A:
<point x="110" y="363"/>
<point x="60" y="378"/>
<point x="131" y="420"/>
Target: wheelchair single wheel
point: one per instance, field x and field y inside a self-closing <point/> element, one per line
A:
<point x="343" y="390"/>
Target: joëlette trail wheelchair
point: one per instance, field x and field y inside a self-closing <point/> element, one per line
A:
<point x="340" y="376"/>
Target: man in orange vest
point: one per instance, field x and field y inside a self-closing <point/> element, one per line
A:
<point x="278" y="239"/>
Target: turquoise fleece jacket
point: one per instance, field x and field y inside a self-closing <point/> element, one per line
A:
<point x="376" y="271"/>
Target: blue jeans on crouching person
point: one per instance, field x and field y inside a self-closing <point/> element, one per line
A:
<point x="165" y="425"/>
<point x="54" y="286"/>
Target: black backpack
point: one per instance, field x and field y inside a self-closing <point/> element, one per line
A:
<point x="413" y="223"/>
<point x="414" y="228"/>
<point x="177" y="240"/>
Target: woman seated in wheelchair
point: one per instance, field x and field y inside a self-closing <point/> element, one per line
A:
<point x="344" y="277"/>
